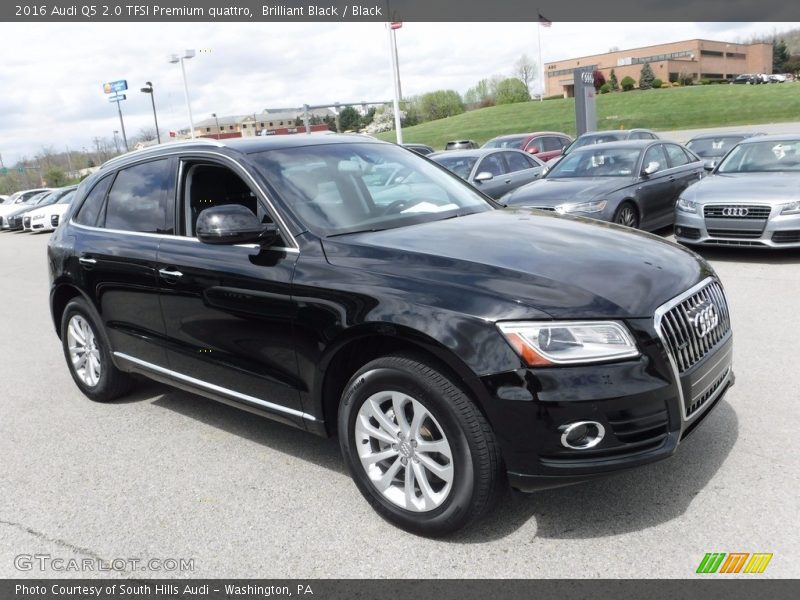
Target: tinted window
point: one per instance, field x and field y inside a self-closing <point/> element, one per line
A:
<point x="492" y="164"/>
<point x="655" y="154"/>
<point x="460" y="165"/>
<point x="518" y="162"/>
<point x="677" y="156"/>
<point x="90" y="209"/>
<point x="762" y="157"/>
<point x="597" y="162"/>
<point x="138" y="200"/>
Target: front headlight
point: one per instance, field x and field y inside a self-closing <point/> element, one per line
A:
<point x="582" y="207"/>
<point x="547" y="343"/>
<point x="793" y="208"/>
<point x="689" y="206"/>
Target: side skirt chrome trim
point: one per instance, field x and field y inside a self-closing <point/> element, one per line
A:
<point x="215" y="388"/>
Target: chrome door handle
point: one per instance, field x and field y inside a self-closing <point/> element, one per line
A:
<point x="508" y="181"/>
<point x="169" y="274"/>
<point x="87" y="261"/>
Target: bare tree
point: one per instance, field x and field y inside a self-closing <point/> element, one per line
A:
<point x="525" y="69"/>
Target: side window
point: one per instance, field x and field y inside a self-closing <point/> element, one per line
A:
<point x="655" y="154"/>
<point x="564" y="142"/>
<point x="91" y="207"/>
<point x="550" y="144"/>
<point x="517" y="162"/>
<point x="492" y="164"/>
<point x="677" y="156"/>
<point x="138" y="199"/>
<point x="207" y="185"/>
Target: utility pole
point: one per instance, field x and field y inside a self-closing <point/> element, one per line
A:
<point x="396" y="79"/>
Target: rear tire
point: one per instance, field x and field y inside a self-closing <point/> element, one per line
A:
<point x="627" y="215"/>
<point x="418" y="449"/>
<point x="88" y="354"/>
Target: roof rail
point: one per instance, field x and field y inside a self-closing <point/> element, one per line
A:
<point x="153" y="149"/>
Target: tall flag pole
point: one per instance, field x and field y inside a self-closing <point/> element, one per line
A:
<point x="543" y="22"/>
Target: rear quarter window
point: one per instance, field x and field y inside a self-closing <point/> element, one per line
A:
<point x="91" y="207"/>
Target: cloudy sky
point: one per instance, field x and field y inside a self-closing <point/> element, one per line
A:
<point x="52" y="74"/>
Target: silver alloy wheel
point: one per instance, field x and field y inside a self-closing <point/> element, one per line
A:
<point x="627" y="217"/>
<point x="404" y="451"/>
<point x="83" y="350"/>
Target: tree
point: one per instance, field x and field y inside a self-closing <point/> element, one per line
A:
<point x="440" y="104"/>
<point x="481" y="95"/>
<point x="525" y="70"/>
<point x="612" y="81"/>
<point x="512" y="90"/>
<point x="55" y="177"/>
<point x="646" y="77"/>
<point x="780" y="56"/>
<point x="368" y="116"/>
<point x="146" y="134"/>
<point x="599" y="79"/>
<point x="349" y="119"/>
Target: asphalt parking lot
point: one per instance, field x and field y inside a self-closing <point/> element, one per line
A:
<point x="166" y="474"/>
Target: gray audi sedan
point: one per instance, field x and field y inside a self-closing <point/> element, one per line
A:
<point x="634" y="183"/>
<point x="752" y="198"/>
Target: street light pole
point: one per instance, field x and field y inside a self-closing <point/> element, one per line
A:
<point x="175" y="59"/>
<point x="149" y="90"/>
<point x="396" y="80"/>
<point x="217" y="120"/>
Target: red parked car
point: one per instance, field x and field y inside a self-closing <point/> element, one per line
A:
<point x="544" y="145"/>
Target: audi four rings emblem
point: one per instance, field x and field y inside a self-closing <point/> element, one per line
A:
<point x="704" y="318"/>
<point x="735" y="211"/>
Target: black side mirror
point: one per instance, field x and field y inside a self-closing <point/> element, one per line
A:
<point x="234" y="224"/>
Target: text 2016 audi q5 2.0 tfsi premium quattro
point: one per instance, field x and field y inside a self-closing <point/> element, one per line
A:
<point x="452" y="345"/>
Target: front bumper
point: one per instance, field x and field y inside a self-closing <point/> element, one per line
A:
<point x="774" y="231"/>
<point x="642" y="405"/>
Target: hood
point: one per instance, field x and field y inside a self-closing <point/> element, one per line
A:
<point x="773" y="188"/>
<point x="566" y="267"/>
<point x="552" y="192"/>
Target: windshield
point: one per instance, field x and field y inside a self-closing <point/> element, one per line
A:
<point x="713" y="147"/>
<point x="588" y="140"/>
<point x="597" y="162"/>
<point x="762" y="157"/>
<point x="506" y="142"/>
<point x="460" y="165"/>
<point x="344" y="188"/>
<point x="67" y="198"/>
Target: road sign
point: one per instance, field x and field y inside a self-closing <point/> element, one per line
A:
<point x="112" y="87"/>
<point x="117" y="98"/>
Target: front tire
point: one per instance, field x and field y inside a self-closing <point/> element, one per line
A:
<point x="89" y="356"/>
<point x="627" y="215"/>
<point x="418" y="449"/>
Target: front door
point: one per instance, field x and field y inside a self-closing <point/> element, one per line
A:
<point x="228" y="309"/>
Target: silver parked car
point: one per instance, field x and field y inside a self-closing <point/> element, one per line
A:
<point x="752" y="198"/>
<point x="494" y="171"/>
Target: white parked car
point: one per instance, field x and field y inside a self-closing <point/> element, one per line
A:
<point x="14" y="200"/>
<point x="46" y="218"/>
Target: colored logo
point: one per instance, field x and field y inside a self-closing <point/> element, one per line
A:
<point x="734" y="562"/>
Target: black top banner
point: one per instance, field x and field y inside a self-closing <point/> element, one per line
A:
<point x="542" y="11"/>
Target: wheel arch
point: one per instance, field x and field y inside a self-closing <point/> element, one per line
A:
<point x="372" y="341"/>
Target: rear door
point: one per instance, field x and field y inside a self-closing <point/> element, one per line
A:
<point x="655" y="191"/>
<point x="684" y="168"/>
<point x="522" y="168"/>
<point x="122" y="221"/>
<point x="228" y="309"/>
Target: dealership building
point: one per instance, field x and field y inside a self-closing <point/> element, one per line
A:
<point x="690" y="59"/>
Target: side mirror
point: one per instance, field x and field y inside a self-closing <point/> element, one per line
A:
<point x="233" y="224"/>
<point x="709" y="165"/>
<point x="483" y="176"/>
<point x="651" y="168"/>
<point x="534" y="150"/>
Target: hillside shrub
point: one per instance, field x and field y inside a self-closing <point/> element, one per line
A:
<point x="628" y="83"/>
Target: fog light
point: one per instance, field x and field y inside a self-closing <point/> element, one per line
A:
<point x="582" y="435"/>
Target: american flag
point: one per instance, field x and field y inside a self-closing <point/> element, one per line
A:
<point x="544" y="21"/>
